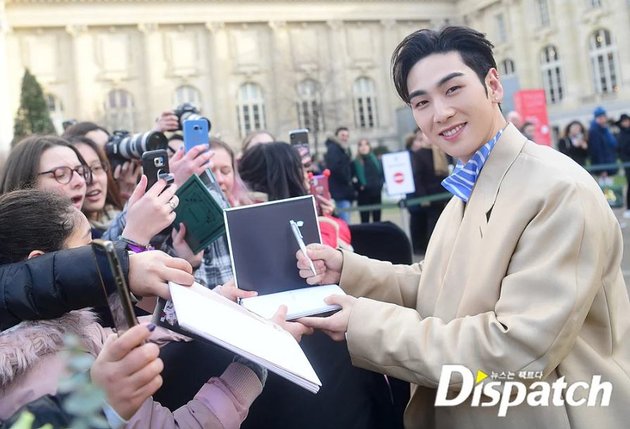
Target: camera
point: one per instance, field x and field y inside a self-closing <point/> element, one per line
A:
<point x="186" y="111"/>
<point x="123" y="146"/>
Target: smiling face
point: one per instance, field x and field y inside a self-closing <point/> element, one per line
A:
<point x="450" y="104"/>
<point x="96" y="191"/>
<point x="61" y="156"/>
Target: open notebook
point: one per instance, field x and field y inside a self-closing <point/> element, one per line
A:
<point x="263" y="247"/>
<point x="208" y="315"/>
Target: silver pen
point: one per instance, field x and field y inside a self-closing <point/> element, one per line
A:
<point x="295" y="227"/>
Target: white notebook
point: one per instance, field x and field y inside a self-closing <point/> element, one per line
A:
<point x="209" y="315"/>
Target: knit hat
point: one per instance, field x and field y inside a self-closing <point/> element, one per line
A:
<point x="599" y="111"/>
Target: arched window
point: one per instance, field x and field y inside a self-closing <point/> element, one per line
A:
<point x="603" y="64"/>
<point x="309" y="106"/>
<point x="250" y="109"/>
<point x="188" y="94"/>
<point x="364" y="96"/>
<point x="119" y="110"/>
<point x="506" y="67"/>
<point x="55" y="108"/>
<point x="550" y="69"/>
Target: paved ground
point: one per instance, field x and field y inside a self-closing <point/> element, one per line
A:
<point x="394" y="215"/>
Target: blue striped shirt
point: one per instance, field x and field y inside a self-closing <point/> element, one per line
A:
<point x="463" y="179"/>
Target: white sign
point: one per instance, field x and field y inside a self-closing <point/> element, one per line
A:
<point x="398" y="173"/>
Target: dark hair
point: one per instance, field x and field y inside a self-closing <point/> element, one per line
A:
<point x="583" y="130"/>
<point x="31" y="219"/>
<point x="340" y="129"/>
<point x="21" y="167"/>
<point x="274" y="168"/>
<point x="113" y="192"/>
<point x="82" y="128"/>
<point x="472" y="46"/>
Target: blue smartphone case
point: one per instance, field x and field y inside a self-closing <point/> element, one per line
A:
<point x="195" y="133"/>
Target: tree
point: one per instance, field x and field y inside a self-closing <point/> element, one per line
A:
<point x="32" y="116"/>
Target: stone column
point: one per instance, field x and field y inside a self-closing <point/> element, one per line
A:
<point x="6" y="116"/>
<point x="85" y="98"/>
<point x="149" y="107"/>
<point x="281" y="99"/>
<point x="337" y="96"/>
<point x="220" y="94"/>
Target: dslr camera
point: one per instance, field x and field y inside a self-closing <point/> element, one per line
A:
<point x="186" y="111"/>
<point x="123" y="146"/>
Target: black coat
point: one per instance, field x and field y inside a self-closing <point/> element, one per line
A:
<point x="50" y="285"/>
<point x="623" y="139"/>
<point x="339" y="163"/>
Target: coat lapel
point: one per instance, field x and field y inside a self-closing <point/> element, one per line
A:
<point x="467" y="246"/>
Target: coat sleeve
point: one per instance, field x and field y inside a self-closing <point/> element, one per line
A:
<point x="545" y="296"/>
<point x="50" y="285"/>
<point x="222" y="402"/>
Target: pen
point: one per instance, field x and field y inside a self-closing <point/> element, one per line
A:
<point x="298" y="236"/>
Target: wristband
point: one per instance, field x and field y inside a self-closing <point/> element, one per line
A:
<point x="135" y="247"/>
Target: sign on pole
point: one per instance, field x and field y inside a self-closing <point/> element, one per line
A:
<point x="398" y="173"/>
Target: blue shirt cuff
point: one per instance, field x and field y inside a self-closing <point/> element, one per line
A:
<point x="114" y="420"/>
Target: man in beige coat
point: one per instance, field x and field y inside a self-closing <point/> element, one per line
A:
<point x="521" y="281"/>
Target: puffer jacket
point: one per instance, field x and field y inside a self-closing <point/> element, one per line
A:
<point x="339" y="162"/>
<point x="31" y="365"/>
<point x="53" y="284"/>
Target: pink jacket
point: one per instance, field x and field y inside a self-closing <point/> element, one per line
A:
<point x="31" y="365"/>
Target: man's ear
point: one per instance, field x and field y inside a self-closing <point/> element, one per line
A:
<point x="35" y="254"/>
<point x="493" y="84"/>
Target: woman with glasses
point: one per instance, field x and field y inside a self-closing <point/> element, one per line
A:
<point x="47" y="163"/>
<point x="102" y="202"/>
<point x="51" y="163"/>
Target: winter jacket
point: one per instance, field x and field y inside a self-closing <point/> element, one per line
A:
<point x="31" y="365"/>
<point x="50" y="285"/>
<point x="623" y="138"/>
<point x="602" y="147"/>
<point x="339" y="163"/>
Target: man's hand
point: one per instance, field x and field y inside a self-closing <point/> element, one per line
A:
<point x="128" y="370"/>
<point x="150" y="272"/>
<point x="167" y="121"/>
<point x="185" y="164"/>
<point x="334" y="326"/>
<point x="328" y="263"/>
<point x="149" y="212"/>
<point x="230" y="291"/>
<point x="296" y="329"/>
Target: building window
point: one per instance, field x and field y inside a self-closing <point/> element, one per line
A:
<point x="502" y="36"/>
<point x="594" y="4"/>
<point x="250" y="110"/>
<point x="364" y="96"/>
<point x="603" y="52"/>
<point x="506" y="67"/>
<point x="188" y="94"/>
<point x="309" y="106"/>
<point x="55" y="108"/>
<point x="543" y="13"/>
<point x="119" y="110"/>
<point x="550" y="68"/>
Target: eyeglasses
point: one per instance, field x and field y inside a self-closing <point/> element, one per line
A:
<point x="99" y="169"/>
<point x="63" y="175"/>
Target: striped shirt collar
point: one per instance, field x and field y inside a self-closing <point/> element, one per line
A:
<point x="463" y="179"/>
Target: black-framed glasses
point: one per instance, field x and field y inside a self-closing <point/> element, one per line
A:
<point x="63" y="175"/>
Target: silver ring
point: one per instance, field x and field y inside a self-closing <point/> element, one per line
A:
<point x="173" y="202"/>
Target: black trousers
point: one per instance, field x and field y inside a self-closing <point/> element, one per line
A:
<point x="368" y="197"/>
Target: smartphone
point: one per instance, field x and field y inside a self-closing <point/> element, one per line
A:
<point x="318" y="185"/>
<point x="195" y="133"/>
<point x="117" y="294"/>
<point x="299" y="139"/>
<point x="155" y="166"/>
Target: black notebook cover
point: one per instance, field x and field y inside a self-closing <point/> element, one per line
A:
<point x="262" y="244"/>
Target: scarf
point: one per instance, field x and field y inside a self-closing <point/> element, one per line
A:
<point x="359" y="166"/>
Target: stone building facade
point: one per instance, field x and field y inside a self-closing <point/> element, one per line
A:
<point x="281" y="65"/>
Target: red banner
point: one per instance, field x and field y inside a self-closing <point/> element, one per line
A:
<point x="532" y="106"/>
